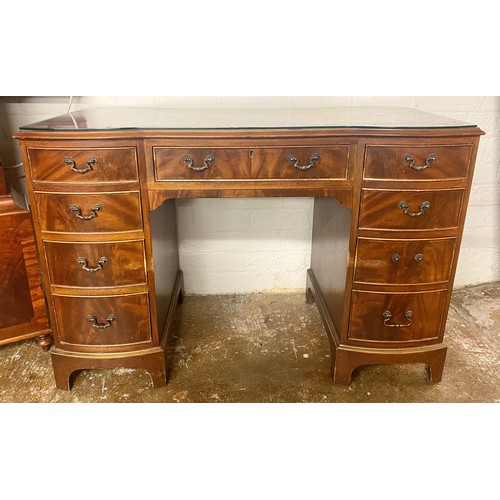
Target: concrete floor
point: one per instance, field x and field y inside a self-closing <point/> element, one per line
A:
<point x="273" y="348"/>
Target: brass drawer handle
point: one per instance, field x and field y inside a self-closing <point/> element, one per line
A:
<point x="90" y="163"/>
<point x="428" y="162"/>
<point x="78" y="212"/>
<point x="388" y="315"/>
<point x="312" y="161"/>
<point x="419" y="257"/>
<point x="93" y="320"/>
<point x="190" y="163"/>
<point x="100" y="263"/>
<point x="403" y="205"/>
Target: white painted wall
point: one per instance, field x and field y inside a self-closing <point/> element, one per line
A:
<point x="248" y="245"/>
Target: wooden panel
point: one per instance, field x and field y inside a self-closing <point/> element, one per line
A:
<point x="367" y="320"/>
<point x="387" y="162"/>
<point x="330" y="252"/>
<point x="163" y="223"/>
<point x="119" y="212"/>
<point x="110" y="165"/>
<point x="227" y="163"/>
<point x="124" y="263"/>
<point x="380" y="209"/>
<point x="130" y="329"/>
<point x="15" y="299"/>
<point x="273" y="163"/>
<point x="403" y="261"/>
<point x="23" y="312"/>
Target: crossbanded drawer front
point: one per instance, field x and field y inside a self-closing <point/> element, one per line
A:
<point x="396" y="318"/>
<point x="83" y="166"/>
<point x="410" y="210"/>
<point x="292" y="162"/>
<point x="89" y="212"/>
<point x="109" y="323"/>
<point x="96" y="264"/>
<point x="417" y="163"/>
<point x="200" y="163"/>
<point x="402" y="261"/>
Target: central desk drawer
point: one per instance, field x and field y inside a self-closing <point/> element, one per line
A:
<point x="266" y="163"/>
<point x="83" y="165"/>
<point x="89" y="212"/>
<point x="96" y="264"/>
<point x="117" y="323"/>
<point x="410" y="210"/>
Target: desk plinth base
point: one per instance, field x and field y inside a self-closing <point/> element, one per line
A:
<point x="66" y="364"/>
<point x="346" y="358"/>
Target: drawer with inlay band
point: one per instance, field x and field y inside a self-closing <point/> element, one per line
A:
<point x="89" y="212"/>
<point x="83" y="165"/>
<point x="266" y="163"/>
<point x="116" y="323"/>
<point x="395" y="318"/>
<point x="115" y="264"/>
<point x="403" y="209"/>
<point x="403" y="261"/>
<point x="417" y="162"/>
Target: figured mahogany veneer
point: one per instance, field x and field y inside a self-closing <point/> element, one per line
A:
<point x="129" y="330"/>
<point x="404" y="262"/>
<point x="23" y="313"/>
<point x="391" y="188"/>
<point x="251" y="163"/>
<point x="367" y="320"/>
<point x="380" y="209"/>
<point x="102" y="212"/>
<point x="96" y="264"/>
<point x="92" y="165"/>
<point x="387" y="162"/>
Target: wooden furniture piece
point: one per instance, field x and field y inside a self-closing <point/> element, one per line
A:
<point x="391" y="187"/>
<point x="23" y="313"/>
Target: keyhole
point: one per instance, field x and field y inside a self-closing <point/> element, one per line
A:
<point x="250" y="153"/>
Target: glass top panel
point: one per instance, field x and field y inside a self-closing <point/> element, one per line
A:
<point x="249" y="118"/>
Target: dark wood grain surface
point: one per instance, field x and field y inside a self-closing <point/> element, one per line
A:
<point x="23" y="311"/>
<point x="130" y="330"/>
<point x="123" y="263"/>
<point x="93" y="165"/>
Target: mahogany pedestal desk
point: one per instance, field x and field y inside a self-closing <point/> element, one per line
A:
<point x="390" y="188"/>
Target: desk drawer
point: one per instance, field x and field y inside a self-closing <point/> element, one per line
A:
<point x="298" y="162"/>
<point x="96" y="264"/>
<point x="89" y="212"/>
<point x="417" y="163"/>
<point x="410" y="210"/>
<point x="396" y="318"/>
<point x="117" y="323"/>
<point x="200" y="163"/>
<point x="290" y="162"/>
<point x="387" y="261"/>
<point x="83" y="165"/>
